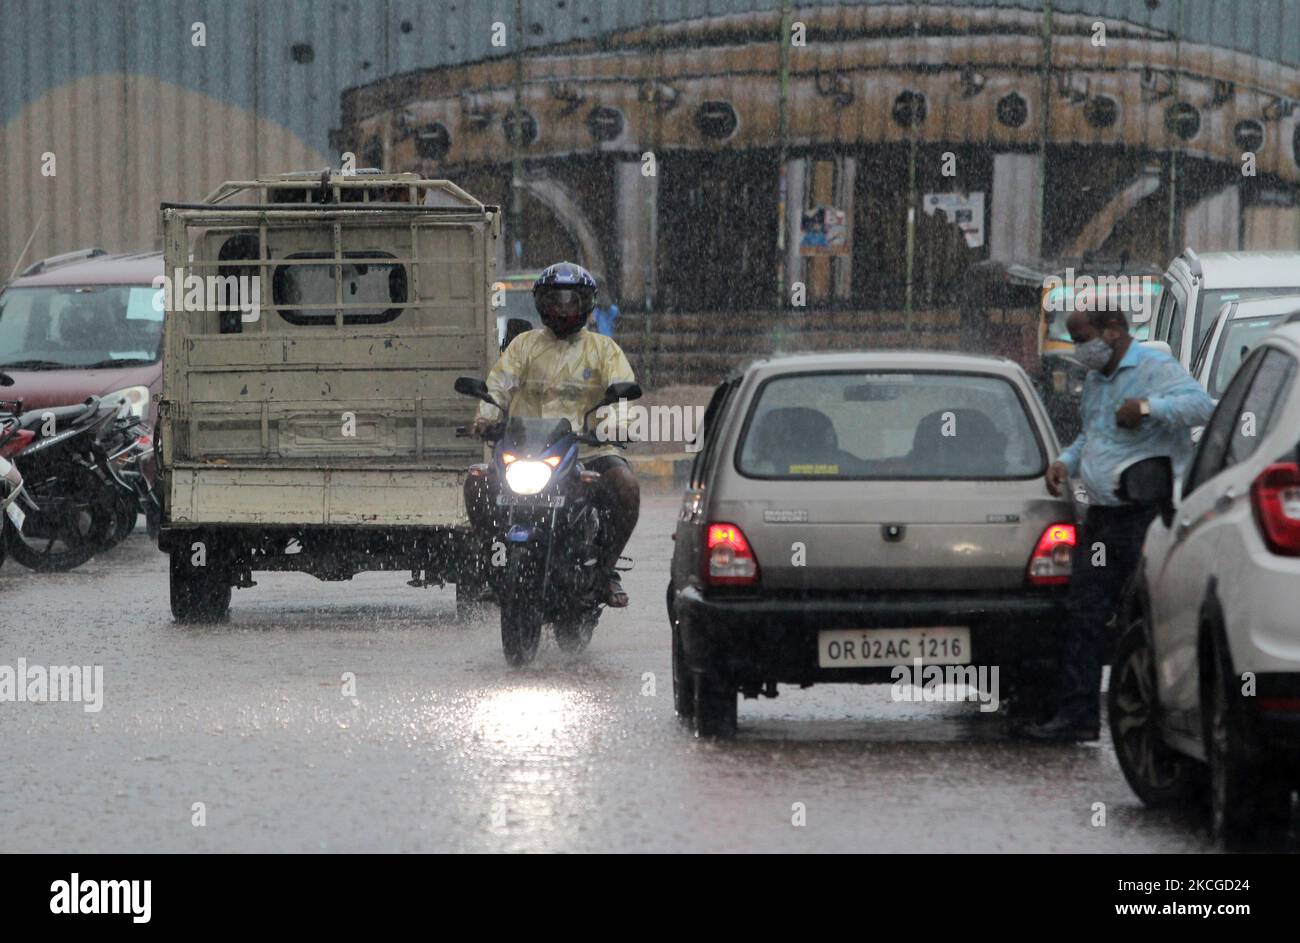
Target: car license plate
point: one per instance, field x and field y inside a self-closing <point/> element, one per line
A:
<point x="531" y="500"/>
<point x="15" y="514"/>
<point x="884" y="648"/>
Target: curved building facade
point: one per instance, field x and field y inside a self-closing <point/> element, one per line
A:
<point x="698" y="154"/>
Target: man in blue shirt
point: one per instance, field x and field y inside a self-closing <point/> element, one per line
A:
<point x="1138" y="403"/>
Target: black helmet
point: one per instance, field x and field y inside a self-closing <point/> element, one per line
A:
<point x="564" y="295"/>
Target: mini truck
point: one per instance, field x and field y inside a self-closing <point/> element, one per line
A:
<point x="314" y="327"/>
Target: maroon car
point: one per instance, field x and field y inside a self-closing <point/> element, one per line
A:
<point x="84" y="324"/>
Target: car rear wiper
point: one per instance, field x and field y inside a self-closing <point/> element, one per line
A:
<point x="115" y="362"/>
<point x="33" y="365"/>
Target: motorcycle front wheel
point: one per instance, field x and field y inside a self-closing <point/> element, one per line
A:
<point x="521" y="608"/>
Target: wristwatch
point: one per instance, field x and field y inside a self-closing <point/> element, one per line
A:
<point x="1144" y="407"/>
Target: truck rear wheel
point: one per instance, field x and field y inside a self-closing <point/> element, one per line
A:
<point x="470" y="602"/>
<point x="198" y="593"/>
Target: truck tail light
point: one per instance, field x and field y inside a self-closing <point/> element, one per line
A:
<point x="728" y="559"/>
<point x="1050" y="563"/>
<point x="1275" y="497"/>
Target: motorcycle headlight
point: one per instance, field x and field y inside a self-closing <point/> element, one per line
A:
<point x="527" y="477"/>
<point x="137" y="399"/>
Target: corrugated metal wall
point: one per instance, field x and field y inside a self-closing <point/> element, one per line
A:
<point x="133" y="112"/>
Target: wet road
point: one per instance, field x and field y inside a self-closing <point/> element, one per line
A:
<point x="445" y="749"/>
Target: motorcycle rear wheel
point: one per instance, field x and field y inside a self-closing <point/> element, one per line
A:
<point x="573" y="633"/>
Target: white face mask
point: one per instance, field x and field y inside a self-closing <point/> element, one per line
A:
<point x="1094" y="355"/>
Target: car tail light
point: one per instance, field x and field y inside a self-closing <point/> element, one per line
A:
<point x="728" y="559"/>
<point x="1279" y="705"/>
<point x="1275" y="496"/>
<point x="1050" y="564"/>
<point x="19" y="442"/>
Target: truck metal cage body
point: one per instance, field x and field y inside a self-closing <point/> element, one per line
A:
<point x="312" y="335"/>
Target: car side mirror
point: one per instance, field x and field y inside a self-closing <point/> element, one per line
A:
<point x="6" y="380"/>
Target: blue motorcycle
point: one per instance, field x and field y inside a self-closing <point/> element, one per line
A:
<point x="547" y="530"/>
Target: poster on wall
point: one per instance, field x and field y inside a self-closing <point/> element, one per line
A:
<point x="965" y="210"/>
<point x="823" y="230"/>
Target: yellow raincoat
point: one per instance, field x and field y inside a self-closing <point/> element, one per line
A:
<point x="542" y="376"/>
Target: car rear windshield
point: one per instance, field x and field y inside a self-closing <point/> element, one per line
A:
<point x="889" y="425"/>
<point x="60" y="328"/>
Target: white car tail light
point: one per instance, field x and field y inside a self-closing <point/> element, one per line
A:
<point x="1050" y="563"/>
<point x="728" y="559"/>
<point x="1275" y="497"/>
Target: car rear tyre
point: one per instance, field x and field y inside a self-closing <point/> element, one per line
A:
<point x="683" y="685"/>
<point x="1242" y="798"/>
<point x="1156" y="773"/>
<point x="198" y="593"/>
<point x="715" y="706"/>
<point x="1033" y="698"/>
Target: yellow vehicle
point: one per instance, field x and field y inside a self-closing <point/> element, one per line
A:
<point x="1133" y="289"/>
<point x="314" y="327"/>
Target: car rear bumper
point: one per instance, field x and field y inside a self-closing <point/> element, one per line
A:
<point x="776" y="638"/>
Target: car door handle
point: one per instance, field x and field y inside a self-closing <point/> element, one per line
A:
<point x="1184" y="525"/>
<point x="1226" y="500"/>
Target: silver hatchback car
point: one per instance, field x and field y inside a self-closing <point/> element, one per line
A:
<point x="851" y="513"/>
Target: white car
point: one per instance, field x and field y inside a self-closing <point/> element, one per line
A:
<point x="1197" y="286"/>
<point x="1234" y="334"/>
<point x="1206" y="674"/>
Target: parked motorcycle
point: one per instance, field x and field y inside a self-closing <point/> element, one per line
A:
<point x="549" y="526"/>
<point x="80" y="478"/>
<point x="11" y="479"/>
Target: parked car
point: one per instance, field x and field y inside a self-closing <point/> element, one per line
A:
<point x="1198" y="285"/>
<point x="84" y="324"/>
<point x="1234" y="333"/>
<point x="1206" y="676"/>
<point x="844" y="502"/>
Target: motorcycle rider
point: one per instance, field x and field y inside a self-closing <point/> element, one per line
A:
<point x="559" y="371"/>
